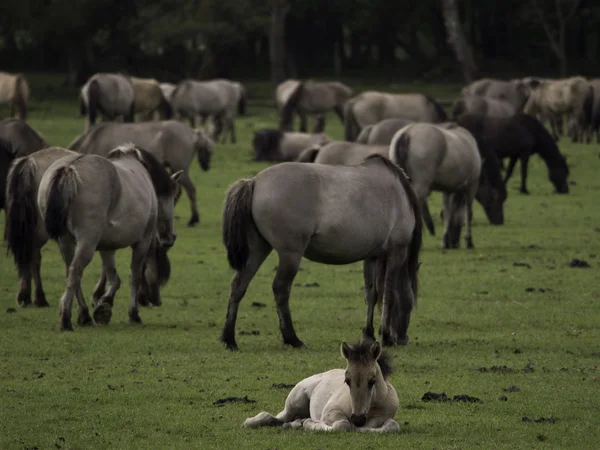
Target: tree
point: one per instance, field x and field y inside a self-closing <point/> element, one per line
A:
<point x="557" y="43"/>
<point x="456" y="38"/>
<point x="277" y="41"/>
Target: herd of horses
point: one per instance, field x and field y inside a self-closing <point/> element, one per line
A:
<point x="117" y="183"/>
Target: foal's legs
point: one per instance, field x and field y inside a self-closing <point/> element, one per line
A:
<point x="259" y="250"/>
<point x="190" y="190"/>
<point x="289" y="262"/>
<point x="369" y="267"/>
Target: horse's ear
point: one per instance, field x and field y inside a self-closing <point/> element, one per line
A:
<point x="176" y="175"/>
<point x="375" y="350"/>
<point x="345" y="350"/>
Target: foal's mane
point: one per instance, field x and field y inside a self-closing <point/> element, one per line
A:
<point x="163" y="185"/>
<point x="361" y="353"/>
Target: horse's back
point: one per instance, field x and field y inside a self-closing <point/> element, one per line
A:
<point x="384" y="131"/>
<point x="348" y="153"/>
<point x="23" y="138"/>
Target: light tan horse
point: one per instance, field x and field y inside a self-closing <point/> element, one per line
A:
<point x="372" y="107"/>
<point x="149" y="99"/>
<point x="308" y="97"/>
<point x="516" y="92"/>
<point x="342" y="152"/>
<point x="484" y="106"/>
<point x="359" y="398"/>
<point x="14" y="90"/>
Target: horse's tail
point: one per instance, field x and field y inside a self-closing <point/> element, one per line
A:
<point x="309" y="155"/>
<point x="363" y="136"/>
<point x="21" y="213"/>
<point x="287" y="112"/>
<point x="21" y="95"/>
<point x="166" y="110"/>
<point x="237" y="216"/>
<point x="416" y="242"/>
<point x="82" y="105"/>
<point x="351" y="126"/>
<point x="94" y="94"/>
<point x="401" y="150"/>
<point x="441" y="115"/>
<point x="61" y="193"/>
<point x="588" y="106"/>
<point x="459" y="107"/>
<point x="242" y="101"/>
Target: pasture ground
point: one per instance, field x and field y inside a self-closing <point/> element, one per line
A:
<point x="482" y="325"/>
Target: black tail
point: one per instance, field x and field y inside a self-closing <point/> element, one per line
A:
<point x="401" y="151"/>
<point x="351" y="126"/>
<point x="166" y="110"/>
<point x="416" y="241"/>
<point x="441" y="113"/>
<point x="287" y="113"/>
<point x="82" y="106"/>
<point x="21" y="214"/>
<point x="94" y="94"/>
<point x="363" y="137"/>
<point x="62" y="190"/>
<point x="237" y="217"/>
<point x="309" y="155"/>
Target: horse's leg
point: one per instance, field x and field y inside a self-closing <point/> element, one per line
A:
<point x="389" y="426"/>
<point x="190" y="190"/>
<point x="24" y="295"/>
<point x="447" y="208"/>
<point x="427" y="217"/>
<point x="511" y="167"/>
<point x="524" y="164"/>
<point x="303" y="121"/>
<point x="369" y="267"/>
<point x="40" y="296"/>
<point x="100" y="289"/>
<point x="232" y="129"/>
<point x="468" y="220"/>
<point x="393" y="311"/>
<point x="109" y="273"/>
<point x="297" y="406"/>
<point x="259" y="250"/>
<point x="138" y="255"/>
<point x="289" y="262"/>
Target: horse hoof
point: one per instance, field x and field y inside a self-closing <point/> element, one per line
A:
<point x="103" y="314"/>
<point x="23" y="300"/>
<point x="193" y="221"/>
<point x="84" y="320"/>
<point x="41" y="303"/>
<point x="470" y="243"/>
<point x="232" y="347"/>
<point x="524" y="192"/>
<point x="66" y="325"/>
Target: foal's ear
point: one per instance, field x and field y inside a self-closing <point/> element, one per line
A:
<point x="176" y="175"/>
<point x="345" y="350"/>
<point x="375" y="350"/>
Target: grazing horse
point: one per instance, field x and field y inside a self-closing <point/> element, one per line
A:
<point x="514" y="92"/>
<point x="14" y="90"/>
<point x="342" y="152"/>
<point x="217" y="98"/>
<point x="366" y="213"/>
<point x="382" y="132"/>
<point x="442" y="158"/>
<point x="271" y="144"/>
<point x="372" y="107"/>
<point x="92" y="203"/>
<point x="484" y="106"/>
<point x="24" y="140"/>
<point x="359" y="398"/>
<point x="25" y="234"/>
<point x="149" y="98"/>
<point x="173" y="143"/>
<point x="517" y="138"/>
<point x="556" y="98"/>
<point x="110" y="94"/>
<point x="310" y="98"/>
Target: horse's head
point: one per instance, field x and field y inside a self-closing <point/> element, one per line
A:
<point x="558" y="175"/>
<point x="204" y="147"/>
<point x="492" y="190"/>
<point x="362" y="374"/>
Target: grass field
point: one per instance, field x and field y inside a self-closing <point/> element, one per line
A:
<point x="536" y="327"/>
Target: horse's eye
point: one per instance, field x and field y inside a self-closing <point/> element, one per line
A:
<point x="371" y="384"/>
<point x="347" y="381"/>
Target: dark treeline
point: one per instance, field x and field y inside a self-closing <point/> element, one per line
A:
<point x="406" y="39"/>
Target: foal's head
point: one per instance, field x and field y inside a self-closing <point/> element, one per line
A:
<point x="366" y="367"/>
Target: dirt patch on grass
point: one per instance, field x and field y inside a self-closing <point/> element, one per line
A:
<point x="223" y="401"/>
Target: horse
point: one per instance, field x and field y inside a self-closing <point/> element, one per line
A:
<point x="595" y="119"/>
<point x="25" y="234"/>
<point x="271" y="144"/>
<point x="91" y="203"/>
<point x="372" y="107"/>
<point x="7" y="156"/>
<point x="308" y="97"/>
<point x="555" y="98"/>
<point x="342" y="152"/>
<point x="515" y="92"/>
<point x="172" y="143"/>
<point x="382" y="132"/>
<point x="149" y="98"/>
<point x="23" y="138"/>
<point x="218" y="98"/>
<point x="110" y="94"/>
<point x="441" y="158"/>
<point x="517" y="138"/>
<point x="484" y="106"/>
<point x="167" y="90"/>
<point x="14" y="90"/>
<point x="359" y="398"/>
<point x="366" y="212"/>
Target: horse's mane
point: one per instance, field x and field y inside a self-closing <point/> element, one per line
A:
<point x="361" y="352"/>
<point x="163" y="185"/>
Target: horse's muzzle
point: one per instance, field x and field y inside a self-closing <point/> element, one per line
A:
<point x="358" y="421"/>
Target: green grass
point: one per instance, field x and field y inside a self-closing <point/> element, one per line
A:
<point x="153" y="386"/>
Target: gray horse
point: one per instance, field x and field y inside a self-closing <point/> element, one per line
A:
<point x="516" y="92"/>
<point x="219" y="98"/>
<point x="382" y="132"/>
<point x="310" y="98"/>
<point x="364" y="213"/>
<point x="172" y="143"/>
<point x="442" y="158"/>
<point x="25" y="234"/>
<point x="271" y="144"/>
<point x="484" y="106"/>
<point x="110" y="94"/>
<point x="372" y="107"/>
<point x="92" y="203"/>
<point x="342" y="152"/>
